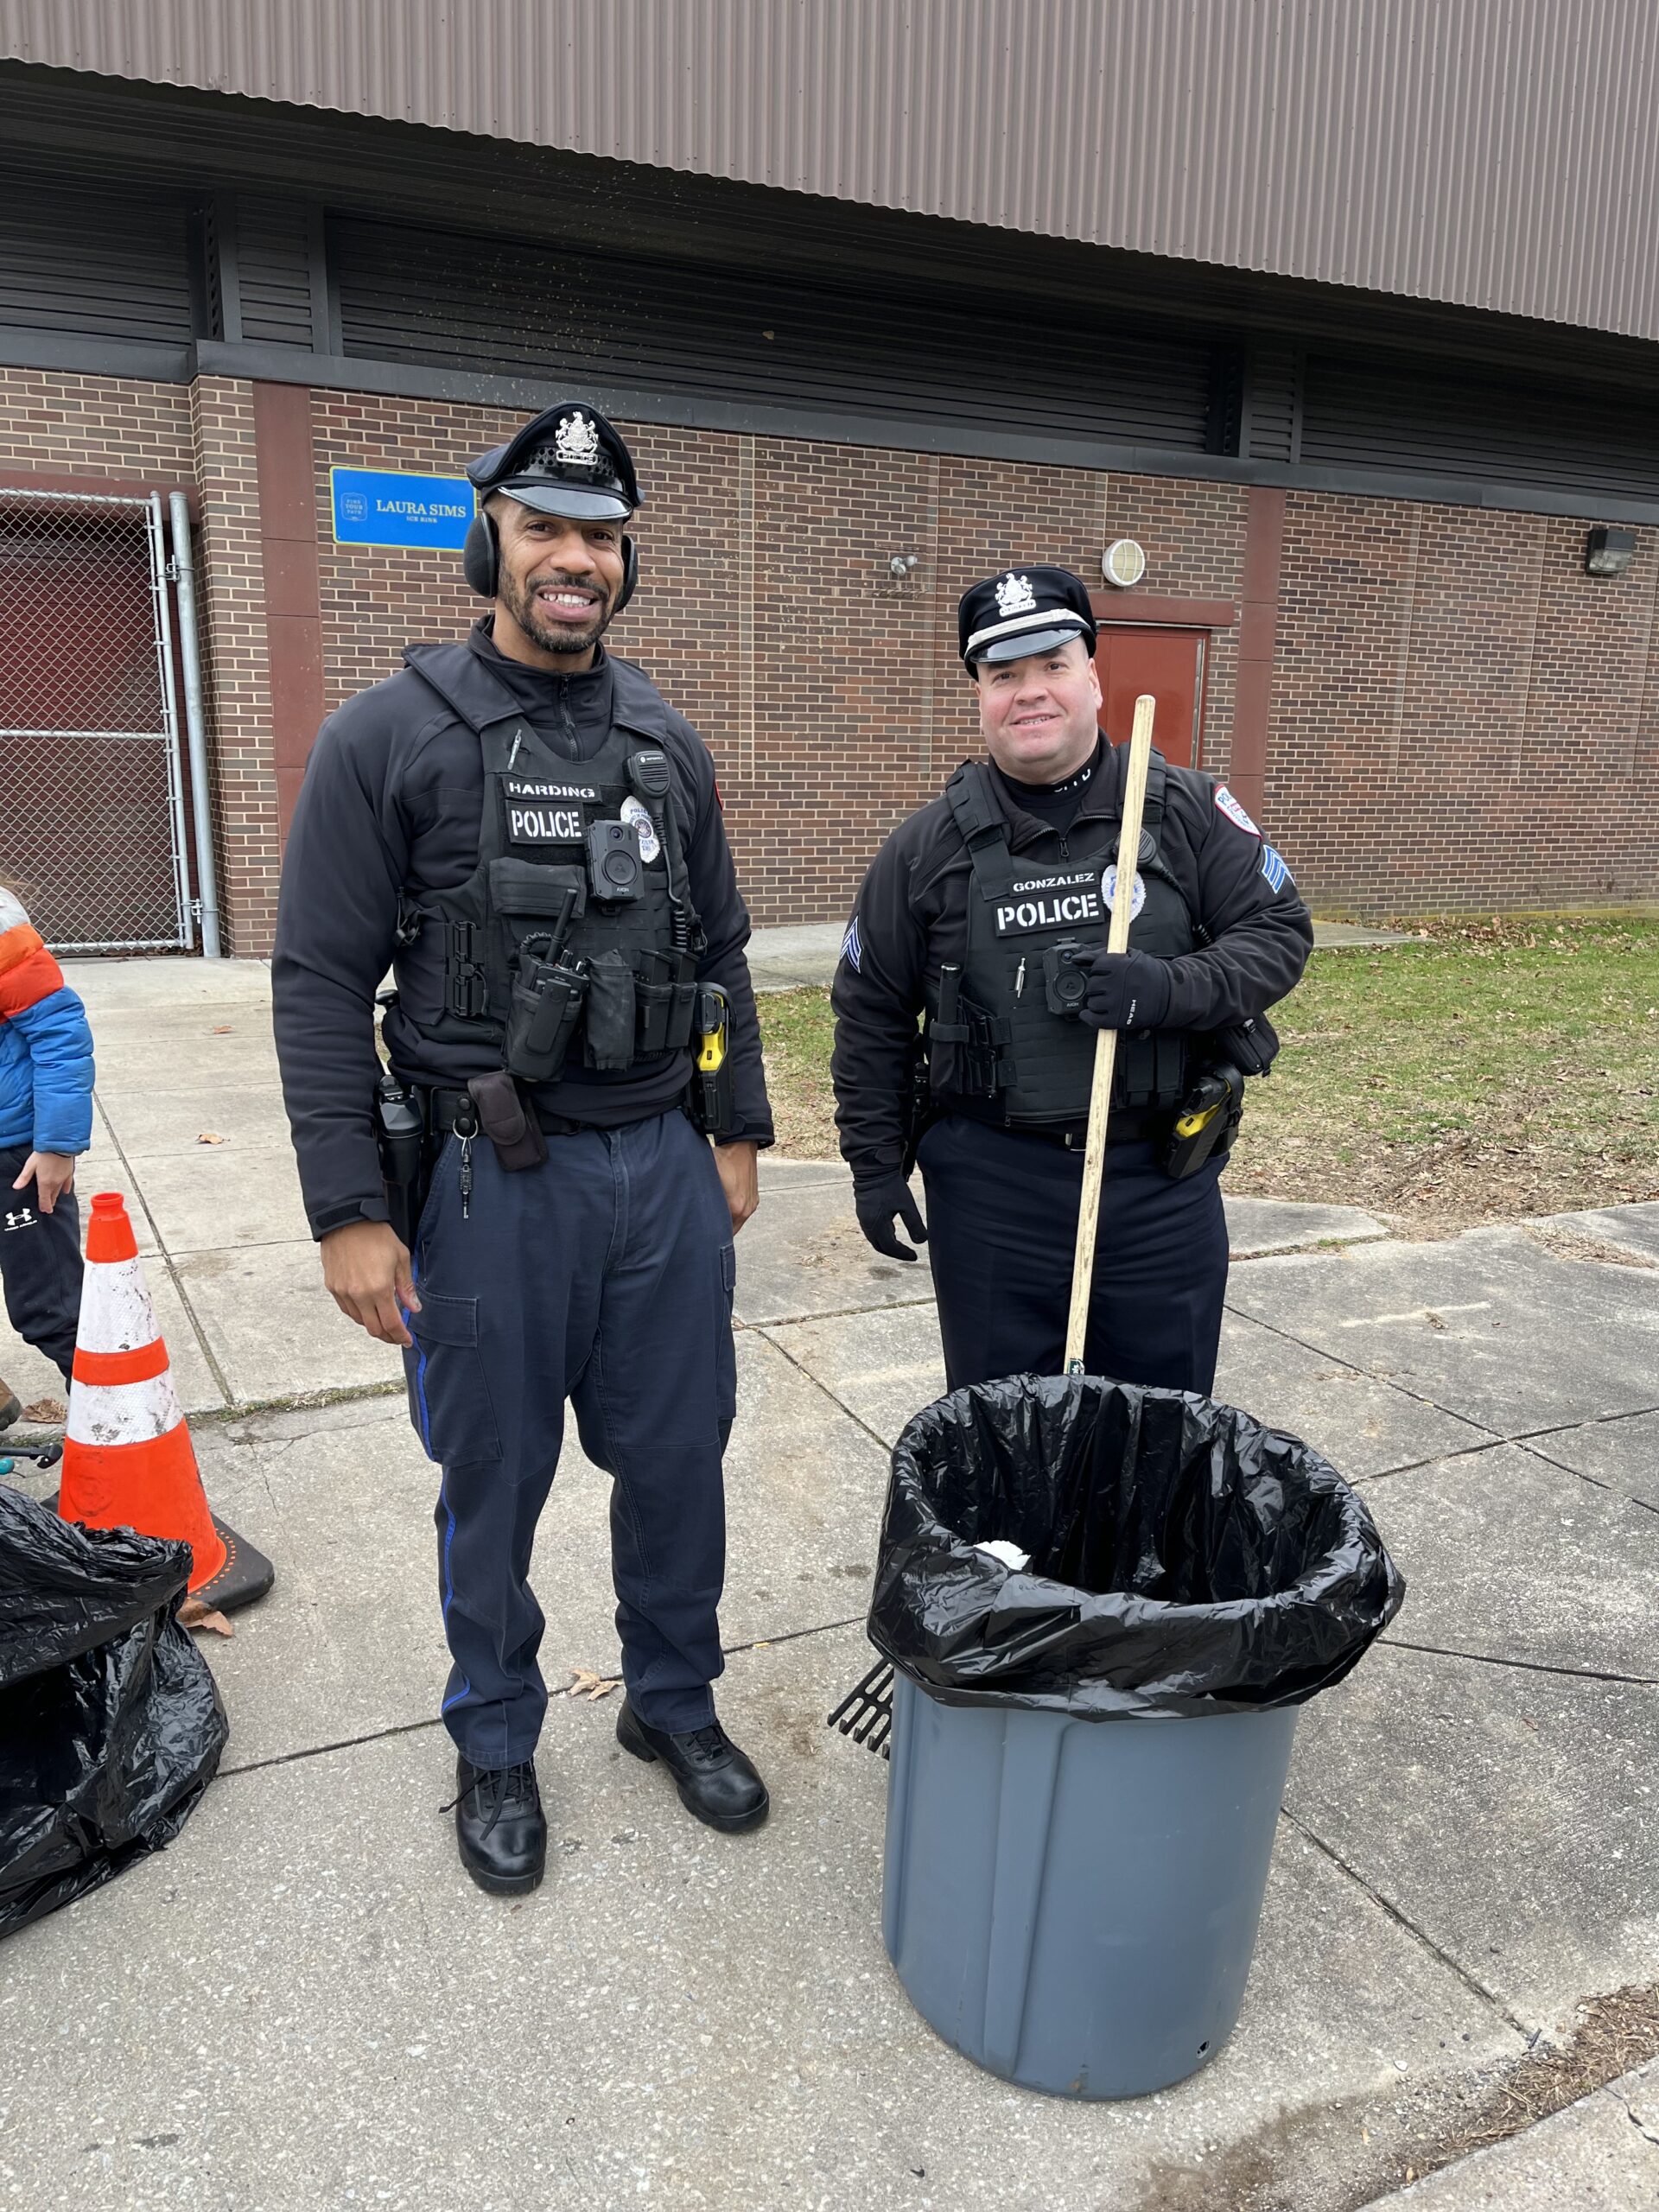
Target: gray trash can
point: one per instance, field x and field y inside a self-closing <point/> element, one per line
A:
<point x="1088" y="1754"/>
<point x="1074" y="1904"/>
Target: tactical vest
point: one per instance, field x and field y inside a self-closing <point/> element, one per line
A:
<point x="541" y="966"/>
<point x="1007" y="1054"/>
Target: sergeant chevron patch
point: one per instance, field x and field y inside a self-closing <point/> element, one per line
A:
<point x="1273" y="868"/>
<point x="852" y="947"/>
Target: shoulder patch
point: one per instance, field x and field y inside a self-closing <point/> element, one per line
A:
<point x="1235" y="813"/>
<point x="852" y="947"/>
<point x="1273" y="868"/>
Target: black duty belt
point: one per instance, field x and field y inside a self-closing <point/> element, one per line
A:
<point x="447" y="1110"/>
<point x="1127" y="1125"/>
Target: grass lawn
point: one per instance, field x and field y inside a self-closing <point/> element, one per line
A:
<point x="1486" y="1070"/>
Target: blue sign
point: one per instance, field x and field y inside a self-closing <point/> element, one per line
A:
<point x="375" y="507"/>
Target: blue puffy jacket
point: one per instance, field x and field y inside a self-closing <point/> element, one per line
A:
<point x="46" y="1048"/>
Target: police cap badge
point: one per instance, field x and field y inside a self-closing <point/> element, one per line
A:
<point x="1021" y="611"/>
<point x="569" y="460"/>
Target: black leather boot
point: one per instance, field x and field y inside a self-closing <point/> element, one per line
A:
<point x="500" y="1826"/>
<point x="715" y="1781"/>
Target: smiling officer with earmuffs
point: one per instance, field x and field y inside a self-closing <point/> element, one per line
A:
<point x="537" y="1201"/>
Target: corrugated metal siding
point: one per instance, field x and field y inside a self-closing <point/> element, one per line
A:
<point x="481" y="303"/>
<point x="1498" y="154"/>
<point x="1400" y="415"/>
<point x="93" y="261"/>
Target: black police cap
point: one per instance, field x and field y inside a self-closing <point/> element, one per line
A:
<point x="1024" y="610"/>
<point x="569" y="460"/>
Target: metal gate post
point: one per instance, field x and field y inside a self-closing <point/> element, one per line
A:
<point x="158" y="582"/>
<point x="184" y="573"/>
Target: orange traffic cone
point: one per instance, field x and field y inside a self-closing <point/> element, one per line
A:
<point x="128" y="1460"/>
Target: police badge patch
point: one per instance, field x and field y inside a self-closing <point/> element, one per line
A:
<point x="638" y="813"/>
<point x="1234" y="812"/>
<point x="852" y="950"/>
<point x="1015" y="595"/>
<point x="1109" y="890"/>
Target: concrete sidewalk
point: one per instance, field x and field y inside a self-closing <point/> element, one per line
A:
<point x="785" y="959"/>
<point x="305" y="2003"/>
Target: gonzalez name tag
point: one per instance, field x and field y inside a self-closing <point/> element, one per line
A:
<point x="1053" y="902"/>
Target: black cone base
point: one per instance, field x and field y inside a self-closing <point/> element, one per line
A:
<point x="245" y="1576"/>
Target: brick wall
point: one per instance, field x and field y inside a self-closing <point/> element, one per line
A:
<point x="56" y="422"/>
<point x="1459" y="717"/>
<point x="1462" y="719"/>
<point x="829" y="692"/>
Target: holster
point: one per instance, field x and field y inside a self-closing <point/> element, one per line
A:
<point x="918" y="1107"/>
<point x="400" y="1140"/>
<point x="1206" y="1123"/>
<point x="712" y="1103"/>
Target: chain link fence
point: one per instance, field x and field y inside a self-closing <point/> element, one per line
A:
<point x="92" y="827"/>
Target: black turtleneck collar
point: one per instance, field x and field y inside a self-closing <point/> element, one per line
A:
<point x="1057" y="805"/>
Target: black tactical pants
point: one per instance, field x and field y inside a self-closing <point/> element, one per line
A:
<point x="604" y="1276"/>
<point x="1003" y="1224"/>
<point x="40" y="1265"/>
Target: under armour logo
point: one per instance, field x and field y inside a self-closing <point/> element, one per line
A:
<point x="24" y="1219"/>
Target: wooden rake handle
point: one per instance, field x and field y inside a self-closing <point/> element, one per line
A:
<point x="1100" y="1095"/>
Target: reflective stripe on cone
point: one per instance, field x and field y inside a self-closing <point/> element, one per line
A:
<point x="128" y="1460"/>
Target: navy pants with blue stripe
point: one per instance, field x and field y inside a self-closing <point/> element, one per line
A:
<point x="604" y="1277"/>
<point x="1003" y="1226"/>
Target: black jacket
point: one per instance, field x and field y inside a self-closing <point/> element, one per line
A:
<point x="391" y="802"/>
<point x="912" y="916"/>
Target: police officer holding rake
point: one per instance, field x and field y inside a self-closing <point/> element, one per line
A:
<point x="529" y="1202"/>
<point x="985" y="915"/>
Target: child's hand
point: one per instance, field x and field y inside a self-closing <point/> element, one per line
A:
<point x="54" y="1172"/>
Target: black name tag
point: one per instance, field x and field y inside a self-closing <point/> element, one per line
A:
<point x="1070" y="903"/>
<point x="543" y="825"/>
<point x="517" y="788"/>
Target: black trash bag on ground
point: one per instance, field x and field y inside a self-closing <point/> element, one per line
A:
<point x="110" y="1725"/>
<point x="1183" y="1558"/>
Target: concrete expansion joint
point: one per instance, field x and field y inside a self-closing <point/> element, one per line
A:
<point x="1476" y="1987"/>
<point x="1528" y="1666"/>
<point x="1645" y="2122"/>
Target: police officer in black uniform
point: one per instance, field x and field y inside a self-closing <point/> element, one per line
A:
<point x="985" y="915"/>
<point x="532" y="838"/>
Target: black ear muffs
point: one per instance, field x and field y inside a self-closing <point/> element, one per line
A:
<point x="630" y="574"/>
<point x="481" y="561"/>
<point x="481" y="555"/>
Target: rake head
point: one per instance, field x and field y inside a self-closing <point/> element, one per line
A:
<point x="866" y="1712"/>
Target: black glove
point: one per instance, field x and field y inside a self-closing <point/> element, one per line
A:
<point x="877" y="1201"/>
<point x="1127" y="990"/>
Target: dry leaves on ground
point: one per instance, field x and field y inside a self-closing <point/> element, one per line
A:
<point x="592" y="1686"/>
<point x="194" y="1612"/>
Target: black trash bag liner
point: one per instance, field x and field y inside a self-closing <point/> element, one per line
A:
<point x="1184" y="1559"/>
<point x="110" y="1725"/>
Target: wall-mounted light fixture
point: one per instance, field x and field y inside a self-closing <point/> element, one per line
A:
<point x="1124" y="563"/>
<point x="1608" y="552"/>
<point x="901" y="564"/>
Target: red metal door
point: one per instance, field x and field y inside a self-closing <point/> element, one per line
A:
<point x="1167" y="662"/>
